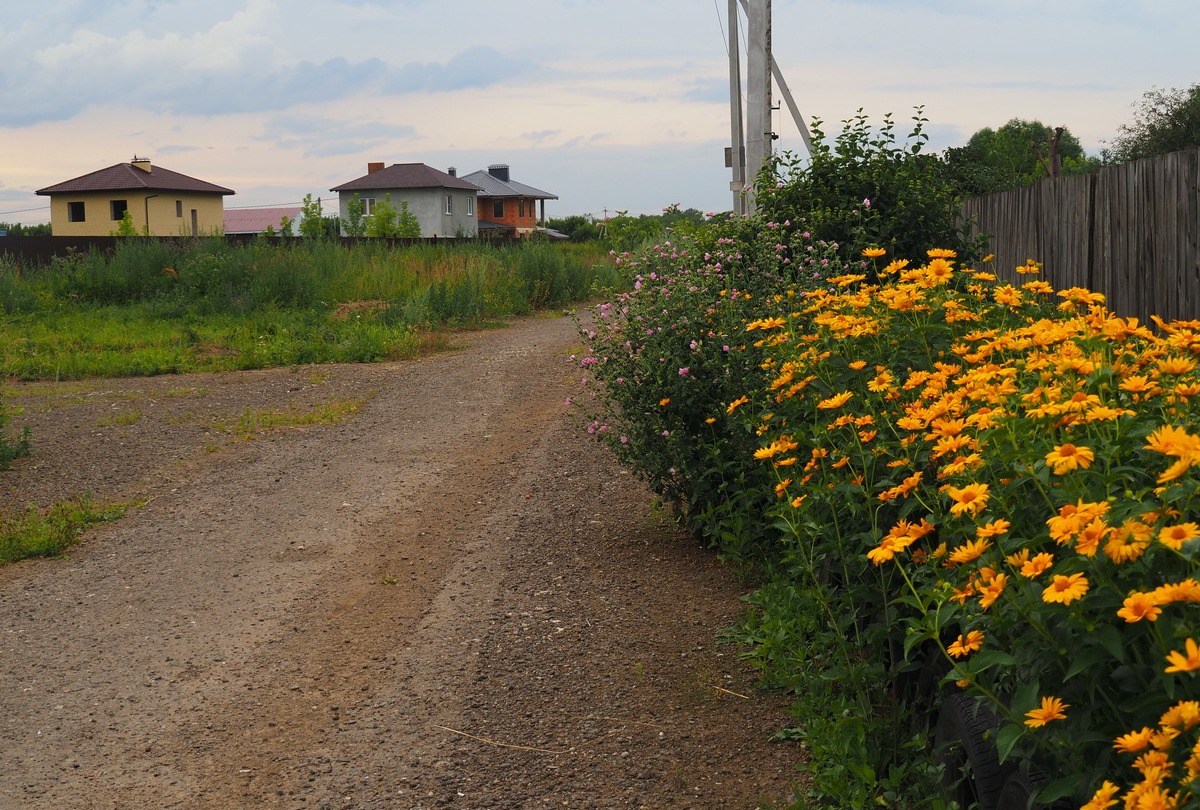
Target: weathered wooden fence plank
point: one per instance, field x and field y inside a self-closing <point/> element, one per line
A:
<point x="1131" y="232"/>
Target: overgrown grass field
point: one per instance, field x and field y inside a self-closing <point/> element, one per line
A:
<point x="160" y="307"/>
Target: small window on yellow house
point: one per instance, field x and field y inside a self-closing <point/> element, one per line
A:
<point x="118" y="209"/>
<point x="179" y="208"/>
<point x="75" y="211"/>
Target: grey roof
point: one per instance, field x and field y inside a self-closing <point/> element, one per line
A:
<point x="492" y="186"/>
<point x="127" y="177"/>
<point x="405" y="175"/>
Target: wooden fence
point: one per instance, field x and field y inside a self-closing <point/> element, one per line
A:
<point x="1131" y="232"/>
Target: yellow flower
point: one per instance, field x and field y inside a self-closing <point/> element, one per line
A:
<point x="969" y="551"/>
<point x="1184" y="715"/>
<point x="1175" y="365"/>
<point x="874" y="253"/>
<point x="1187" y="590"/>
<point x="991" y="591"/>
<point x="1175" y="536"/>
<point x="1051" y="709"/>
<point x="965" y="645"/>
<point x="1103" y="798"/>
<point x="664" y="401"/>
<point x="971" y="499"/>
<point x="836" y="401"/>
<point x="1173" y="441"/>
<point x="737" y="403"/>
<point x="993" y="529"/>
<point x="941" y="253"/>
<point x="781" y="445"/>
<point x="1134" y="741"/>
<point x="710" y="420"/>
<point x="1180" y="662"/>
<point x="1065" y="589"/>
<point x="1066" y="457"/>
<point x="1037" y="566"/>
<point x="1138" y="606"/>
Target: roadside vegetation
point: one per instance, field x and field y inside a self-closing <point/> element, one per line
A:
<point x="157" y="307"/>
<point x="970" y="507"/>
<point x="164" y="307"/>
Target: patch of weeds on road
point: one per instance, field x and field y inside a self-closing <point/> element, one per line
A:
<point x="251" y="423"/>
<point x="50" y="532"/>
<point x="118" y="419"/>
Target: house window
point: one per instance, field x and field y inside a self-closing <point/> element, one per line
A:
<point x="498" y="209"/>
<point x="75" y="211"/>
<point x="368" y="206"/>
<point x="449" y="203"/>
<point x="179" y="208"/>
<point x="470" y="206"/>
<point x="119" y="207"/>
<point x="521" y="208"/>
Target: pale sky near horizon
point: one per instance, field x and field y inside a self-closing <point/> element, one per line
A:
<point x="610" y="104"/>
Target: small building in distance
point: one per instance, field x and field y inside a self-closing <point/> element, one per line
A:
<point x="507" y="207"/>
<point x="443" y="204"/>
<point x="160" y="202"/>
<point x="257" y="220"/>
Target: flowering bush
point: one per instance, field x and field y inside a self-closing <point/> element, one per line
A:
<point x="673" y="361"/>
<point x="1000" y="481"/>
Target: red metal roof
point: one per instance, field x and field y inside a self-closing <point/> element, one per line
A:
<point x="256" y="220"/>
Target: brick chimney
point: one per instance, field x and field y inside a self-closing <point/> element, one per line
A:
<point x="374" y="167"/>
<point x="140" y="163"/>
<point x="499" y="171"/>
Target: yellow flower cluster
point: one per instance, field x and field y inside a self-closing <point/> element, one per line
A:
<point x="1035" y="462"/>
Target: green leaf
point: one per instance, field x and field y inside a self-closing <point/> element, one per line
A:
<point x="1025" y="698"/>
<point x="1058" y="789"/>
<point x="1007" y="738"/>
<point x="989" y="658"/>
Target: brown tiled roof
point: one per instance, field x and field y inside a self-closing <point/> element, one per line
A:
<point x="405" y="175"/>
<point x="126" y="177"/>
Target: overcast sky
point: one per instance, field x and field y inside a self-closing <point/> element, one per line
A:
<point x="610" y="104"/>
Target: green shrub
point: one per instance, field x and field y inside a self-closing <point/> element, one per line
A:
<point x="867" y="189"/>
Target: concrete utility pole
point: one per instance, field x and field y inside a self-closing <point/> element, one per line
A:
<point x="752" y="140"/>
<point x="758" y="91"/>
<point x="737" y="153"/>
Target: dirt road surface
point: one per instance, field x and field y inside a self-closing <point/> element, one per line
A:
<point x="452" y="598"/>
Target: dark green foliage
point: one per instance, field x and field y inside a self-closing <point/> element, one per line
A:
<point x="1012" y="156"/>
<point x="867" y="189"/>
<point x="1165" y="121"/>
<point x="577" y="227"/>
<point x="17" y="229"/>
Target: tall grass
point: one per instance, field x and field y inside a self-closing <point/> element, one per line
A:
<point x="161" y="306"/>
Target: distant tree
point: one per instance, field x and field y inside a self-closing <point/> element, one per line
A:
<point x="1015" y="155"/>
<point x="577" y="228"/>
<point x="17" y="229"/>
<point x="286" y="228"/>
<point x="355" y="222"/>
<point x="312" y="222"/>
<point x="382" y="222"/>
<point x="1166" y="121"/>
<point x="407" y="224"/>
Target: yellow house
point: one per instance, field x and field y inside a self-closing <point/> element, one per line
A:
<point x="159" y="201"/>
